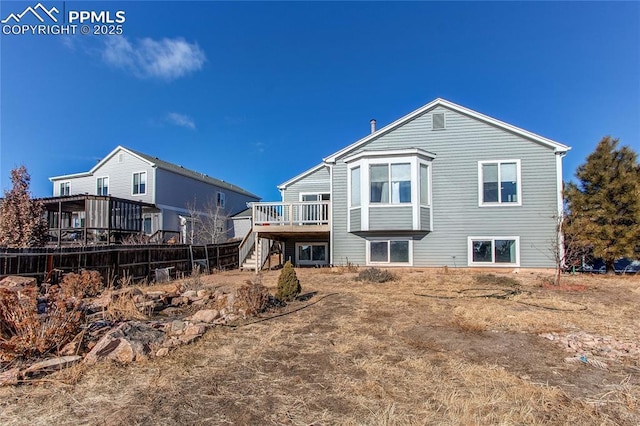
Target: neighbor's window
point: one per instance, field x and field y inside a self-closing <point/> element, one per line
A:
<point x="390" y="183"/>
<point x="146" y="224"/>
<point x="140" y="183"/>
<point x="355" y="186"/>
<point x="494" y="251"/>
<point x="220" y="199"/>
<point x="65" y="188"/>
<point x="500" y="182"/>
<point x="102" y="186"/>
<point x="389" y="251"/>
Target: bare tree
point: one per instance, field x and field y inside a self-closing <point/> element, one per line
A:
<point x="568" y="251"/>
<point x="208" y="225"/>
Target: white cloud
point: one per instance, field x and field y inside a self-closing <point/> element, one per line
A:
<point x="166" y="59"/>
<point x="181" y="120"/>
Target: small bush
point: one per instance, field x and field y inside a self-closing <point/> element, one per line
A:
<point x="288" y="284"/>
<point x="376" y="275"/>
<point x="252" y="297"/>
<point x="84" y="284"/>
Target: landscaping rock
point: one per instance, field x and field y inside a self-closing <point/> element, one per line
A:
<point x="190" y="294"/>
<point x="129" y="342"/>
<point x="52" y="364"/>
<point x="205" y="315"/>
<point x="10" y="377"/>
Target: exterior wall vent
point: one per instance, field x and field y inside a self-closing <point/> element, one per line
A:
<point x="121" y="158"/>
<point x="438" y="120"/>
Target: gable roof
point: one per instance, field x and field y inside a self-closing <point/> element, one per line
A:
<point x="301" y="175"/>
<point x="556" y="146"/>
<point x="164" y="165"/>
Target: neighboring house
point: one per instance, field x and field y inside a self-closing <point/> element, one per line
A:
<point x="443" y="185"/>
<point x="169" y="194"/>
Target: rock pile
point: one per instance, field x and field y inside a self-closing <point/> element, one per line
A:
<point x="594" y="345"/>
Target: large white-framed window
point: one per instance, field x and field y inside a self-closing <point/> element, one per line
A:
<point x="139" y="183"/>
<point x="65" y="188"/>
<point x="493" y="251"/>
<point x="390" y="251"/>
<point x="221" y="200"/>
<point x="390" y="183"/>
<point x="499" y="183"/>
<point x="102" y="185"/>
<point x="315" y="253"/>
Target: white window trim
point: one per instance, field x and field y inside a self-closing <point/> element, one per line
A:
<point x="146" y="184"/>
<point x="493" y="263"/>
<point x="108" y="184"/>
<point x="60" y="188"/>
<point x="312" y="262"/>
<point x="444" y="121"/>
<point x="365" y="203"/>
<point x="223" y="199"/>
<point x="481" y="188"/>
<point x="317" y="193"/>
<point x="381" y="239"/>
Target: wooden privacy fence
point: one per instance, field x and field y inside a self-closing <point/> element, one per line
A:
<point x="137" y="262"/>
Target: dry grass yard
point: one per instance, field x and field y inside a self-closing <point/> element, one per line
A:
<point x="433" y="347"/>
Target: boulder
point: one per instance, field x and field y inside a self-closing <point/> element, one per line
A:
<point x="205" y="316"/>
<point x="129" y="342"/>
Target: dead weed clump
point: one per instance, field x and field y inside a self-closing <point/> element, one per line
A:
<point x="84" y="284"/>
<point x="491" y="279"/>
<point x="252" y="298"/>
<point x="32" y="326"/>
<point x="375" y="275"/>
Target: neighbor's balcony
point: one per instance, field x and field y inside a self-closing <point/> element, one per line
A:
<point x="300" y="217"/>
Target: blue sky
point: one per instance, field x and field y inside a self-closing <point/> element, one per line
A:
<point x="256" y="93"/>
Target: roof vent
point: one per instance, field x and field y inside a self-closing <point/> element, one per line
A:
<point x="438" y="120"/>
<point x="373" y="125"/>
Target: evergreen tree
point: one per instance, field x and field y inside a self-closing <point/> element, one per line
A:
<point x="22" y="222"/>
<point x="604" y="207"/>
<point x="288" y="283"/>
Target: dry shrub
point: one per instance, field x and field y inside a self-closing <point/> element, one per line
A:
<point x="25" y="333"/>
<point x="123" y="308"/>
<point x="84" y="284"/>
<point x="375" y="275"/>
<point x="288" y="284"/>
<point x="490" y="279"/>
<point x="252" y="297"/>
<point x="468" y="321"/>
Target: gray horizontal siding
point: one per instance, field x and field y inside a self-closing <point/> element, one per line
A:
<point x="456" y="214"/>
<point x="356" y="220"/>
<point x="316" y="182"/>
<point x="425" y="218"/>
<point x="180" y="191"/>
<point x="120" y="178"/>
<point x="391" y="218"/>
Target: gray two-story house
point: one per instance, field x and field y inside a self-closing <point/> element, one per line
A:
<point x="168" y="195"/>
<point x="443" y="185"/>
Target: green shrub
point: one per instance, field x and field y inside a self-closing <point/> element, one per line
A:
<point x="288" y="284"/>
<point x="376" y="275"/>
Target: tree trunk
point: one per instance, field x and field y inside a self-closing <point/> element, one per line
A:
<point x="609" y="265"/>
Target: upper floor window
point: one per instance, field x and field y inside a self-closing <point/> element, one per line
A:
<point x="102" y="186"/>
<point x="220" y="199"/>
<point x="140" y="183"/>
<point x="390" y="183"/>
<point x="499" y="182"/>
<point x="65" y="188"/>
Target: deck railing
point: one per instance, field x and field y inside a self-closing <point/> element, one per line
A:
<point x="298" y="213"/>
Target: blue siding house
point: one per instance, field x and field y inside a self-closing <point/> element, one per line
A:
<point x="443" y="185"/>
